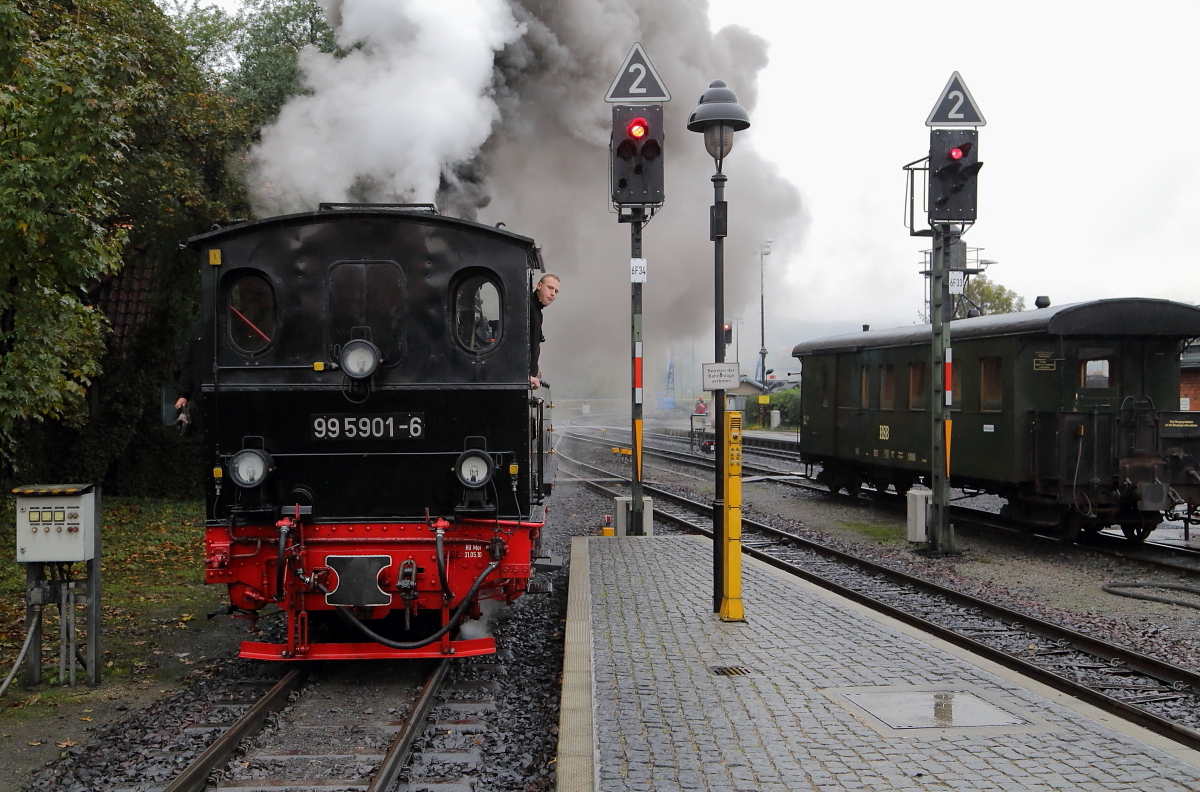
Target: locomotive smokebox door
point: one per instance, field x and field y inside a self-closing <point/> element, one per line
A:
<point x="358" y="581"/>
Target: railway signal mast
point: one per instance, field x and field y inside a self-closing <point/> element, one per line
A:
<point x="953" y="169"/>
<point x="636" y="178"/>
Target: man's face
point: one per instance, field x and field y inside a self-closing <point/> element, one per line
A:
<point x="547" y="290"/>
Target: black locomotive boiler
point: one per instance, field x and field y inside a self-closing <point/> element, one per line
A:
<point x="1068" y="412"/>
<point x="376" y="453"/>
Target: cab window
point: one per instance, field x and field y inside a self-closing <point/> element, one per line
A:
<point x="251" y="319"/>
<point x="1095" y="374"/>
<point x="477" y="314"/>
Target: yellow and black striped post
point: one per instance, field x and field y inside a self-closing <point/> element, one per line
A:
<point x="731" y="517"/>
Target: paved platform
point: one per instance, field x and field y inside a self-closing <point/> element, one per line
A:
<point x="825" y="694"/>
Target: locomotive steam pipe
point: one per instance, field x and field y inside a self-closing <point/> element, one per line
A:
<point x="447" y="594"/>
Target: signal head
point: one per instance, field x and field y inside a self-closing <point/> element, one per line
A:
<point x="637" y="129"/>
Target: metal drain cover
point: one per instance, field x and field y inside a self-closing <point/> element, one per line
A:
<point x="731" y="671"/>
<point x="932" y="709"/>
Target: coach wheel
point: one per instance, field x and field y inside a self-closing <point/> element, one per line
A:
<point x="903" y="484"/>
<point x="852" y="486"/>
<point x="1137" y="532"/>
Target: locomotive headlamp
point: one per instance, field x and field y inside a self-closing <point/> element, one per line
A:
<point x="474" y="469"/>
<point x="360" y="358"/>
<point x="250" y="467"/>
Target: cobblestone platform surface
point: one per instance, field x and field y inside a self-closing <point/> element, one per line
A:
<point x="817" y="698"/>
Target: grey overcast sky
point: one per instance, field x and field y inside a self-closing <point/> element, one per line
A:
<point x="1091" y="182"/>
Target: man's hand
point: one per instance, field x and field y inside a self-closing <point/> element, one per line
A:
<point x="180" y="403"/>
<point x="534" y="383"/>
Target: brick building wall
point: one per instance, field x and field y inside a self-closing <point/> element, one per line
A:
<point x="1189" y="387"/>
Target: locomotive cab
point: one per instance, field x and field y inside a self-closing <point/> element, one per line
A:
<point x="377" y="461"/>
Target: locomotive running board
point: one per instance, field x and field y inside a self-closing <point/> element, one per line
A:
<point x="258" y="650"/>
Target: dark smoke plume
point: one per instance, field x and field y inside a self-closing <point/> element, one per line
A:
<point x="495" y="110"/>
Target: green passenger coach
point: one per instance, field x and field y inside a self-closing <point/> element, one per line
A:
<point x="1069" y="412"/>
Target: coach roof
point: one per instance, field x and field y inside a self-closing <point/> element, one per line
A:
<point x="1126" y="316"/>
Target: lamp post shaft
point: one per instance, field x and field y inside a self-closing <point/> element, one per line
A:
<point x="717" y="231"/>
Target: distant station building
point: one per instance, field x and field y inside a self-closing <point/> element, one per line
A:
<point x="1189" y="378"/>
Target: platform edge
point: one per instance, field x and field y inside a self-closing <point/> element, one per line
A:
<point x="577" y="764"/>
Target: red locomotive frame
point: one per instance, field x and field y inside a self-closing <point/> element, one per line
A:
<point x="409" y="576"/>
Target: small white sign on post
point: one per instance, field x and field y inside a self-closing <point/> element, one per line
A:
<point x="956" y="281"/>
<point x="720" y="376"/>
<point x="637" y="270"/>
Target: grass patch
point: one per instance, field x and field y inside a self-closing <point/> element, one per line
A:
<point x="152" y="579"/>
<point x="886" y="534"/>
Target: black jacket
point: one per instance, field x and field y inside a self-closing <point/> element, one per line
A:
<point x="535" y="333"/>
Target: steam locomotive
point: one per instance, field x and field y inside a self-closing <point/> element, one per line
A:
<point x="1068" y="412"/>
<point x="378" y="460"/>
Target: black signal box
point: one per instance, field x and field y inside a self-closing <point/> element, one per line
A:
<point x="636" y="152"/>
<point x="953" y="175"/>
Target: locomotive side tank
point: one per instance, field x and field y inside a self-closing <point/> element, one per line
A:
<point x="375" y="453"/>
<point x="1068" y="412"/>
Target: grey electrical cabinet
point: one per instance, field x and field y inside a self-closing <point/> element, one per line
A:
<point x="56" y="523"/>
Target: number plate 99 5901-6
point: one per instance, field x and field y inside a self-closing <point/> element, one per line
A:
<point x="377" y="426"/>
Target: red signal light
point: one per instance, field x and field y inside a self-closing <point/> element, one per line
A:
<point x="637" y="129"/>
<point x="955" y="154"/>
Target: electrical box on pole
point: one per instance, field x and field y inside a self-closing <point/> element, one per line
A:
<point x="58" y="525"/>
<point x="637" y="155"/>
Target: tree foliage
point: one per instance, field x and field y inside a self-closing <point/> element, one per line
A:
<point x="990" y="297"/>
<point x="270" y="36"/>
<point x="116" y="148"/>
<point x="70" y="89"/>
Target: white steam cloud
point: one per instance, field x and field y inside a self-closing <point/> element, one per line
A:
<point x="385" y="121"/>
<point x="494" y="110"/>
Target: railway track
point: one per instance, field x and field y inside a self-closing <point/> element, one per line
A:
<point x="1155" y="694"/>
<point x="1172" y="557"/>
<point x="351" y="726"/>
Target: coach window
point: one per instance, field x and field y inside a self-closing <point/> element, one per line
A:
<point x="956" y="387"/>
<point x="887" y="387"/>
<point x="252" y="316"/>
<point x="864" y="387"/>
<point x="477" y="322"/>
<point x="991" y="384"/>
<point x="918" y="386"/>
<point x="1095" y="374"/>
<point x="825" y="385"/>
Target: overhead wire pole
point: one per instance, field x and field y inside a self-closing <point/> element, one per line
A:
<point x="764" y="250"/>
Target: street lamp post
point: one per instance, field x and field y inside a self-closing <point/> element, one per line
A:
<point x="717" y="116"/>
<point x="763" y="250"/>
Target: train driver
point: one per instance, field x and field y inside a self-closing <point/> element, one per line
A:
<point x="543" y="294"/>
